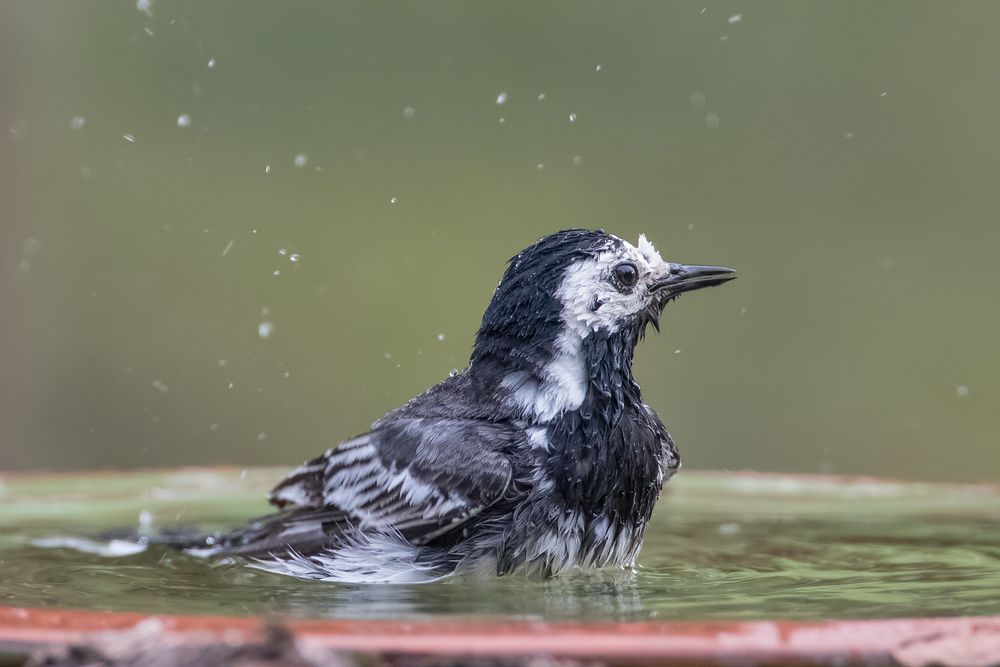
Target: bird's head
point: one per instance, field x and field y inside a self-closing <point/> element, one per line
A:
<point x="625" y="287"/>
<point x="591" y="281"/>
<point x="573" y="284"/>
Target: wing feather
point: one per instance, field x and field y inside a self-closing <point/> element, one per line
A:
<point x="418" y="476"/>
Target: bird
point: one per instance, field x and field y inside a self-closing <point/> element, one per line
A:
<point x="539" y="458"/>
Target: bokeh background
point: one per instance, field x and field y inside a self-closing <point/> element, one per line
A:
<point x="238" y="232"/>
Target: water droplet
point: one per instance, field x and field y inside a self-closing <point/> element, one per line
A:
<point x="211" y="63"/>
<point x="577" y="159"/>
<point x="129" y="138"/>
<point x="540" y="166"/>
<point x="698" y="100"/>
<point x="453" y="372"/>
<point x="294" y="257"/>
<point x="30" y="248"/>
<point x="572" y="118"/>
<point x="712" y="121"/>
<point x="145" y="6"/>
<point x="884" y="93"/>
<point x="393" y="201"/>
<point x="598" y="67"/>
<point x="184" y="120"/>
<point x="267" y="170"/>
<point x="232" y="384"/>
<point x="961" y="391"/>
<point x="229" y="246"/>
<point x="265" y="329"/>
<point x="276" y="272"/>
<point x="541" y="97"/>
<point x="734" y="19"/>
<point x="502" y="98"/>
<point x="282" y="252"/>
<point x="18" y="129"/>
<point x="409" y="112"/>
<point x="262" y="436"/>
<point x="440" y="336"/>
<point x="502" y="120"/>
<point x="301" y="160"/>
<point x="222" y="363"/>
<point x="77" y="122"/>
<point x="848" y="135"/>
<point x="677" y="351"/>
<point x="160" y="387"/>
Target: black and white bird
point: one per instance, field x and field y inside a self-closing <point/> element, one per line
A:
<point x="538" y="458"/>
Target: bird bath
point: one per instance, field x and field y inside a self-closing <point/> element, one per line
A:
<point x="778" y="567"/>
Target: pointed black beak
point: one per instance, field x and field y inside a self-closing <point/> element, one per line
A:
<point x="688" y="277"/>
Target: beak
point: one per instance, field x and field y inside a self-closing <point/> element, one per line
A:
<point x="688" y="277"/>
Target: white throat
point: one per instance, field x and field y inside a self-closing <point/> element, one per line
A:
<point x="590" y="303"/>
<point x="561" y="387"/>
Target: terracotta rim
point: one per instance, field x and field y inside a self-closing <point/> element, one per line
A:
<point x="906" y="641"/>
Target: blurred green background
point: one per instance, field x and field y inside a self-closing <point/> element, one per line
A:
<point x="238" y="232"/>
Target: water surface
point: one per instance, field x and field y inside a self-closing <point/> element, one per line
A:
<point x="720" y="547"/>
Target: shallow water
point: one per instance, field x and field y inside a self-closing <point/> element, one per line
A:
<point x="720" y="547"/>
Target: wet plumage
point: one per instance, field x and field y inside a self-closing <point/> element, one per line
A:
<point x="539" y="457"/>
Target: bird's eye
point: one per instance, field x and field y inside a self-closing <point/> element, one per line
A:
<point x="626" y="274"/>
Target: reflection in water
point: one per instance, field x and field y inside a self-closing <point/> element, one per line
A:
<point x="612" y="595"/>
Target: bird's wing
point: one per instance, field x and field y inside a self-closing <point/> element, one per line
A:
<point x="420" y="476"/>
<point x="669" y="457"/>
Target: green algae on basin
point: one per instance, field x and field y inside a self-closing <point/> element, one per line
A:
<point x="740" y="546"/>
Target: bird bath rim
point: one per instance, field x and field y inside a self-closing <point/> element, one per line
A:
<point x="903" y="641"/>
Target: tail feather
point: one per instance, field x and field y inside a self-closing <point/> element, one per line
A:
<point x="304" y="530"/>
<point x="317" y="544"/>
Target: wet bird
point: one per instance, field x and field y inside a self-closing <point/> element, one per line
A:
<point x="538" y="458"/>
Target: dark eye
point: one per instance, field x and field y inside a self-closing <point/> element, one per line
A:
<point x="626" y="274"/>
